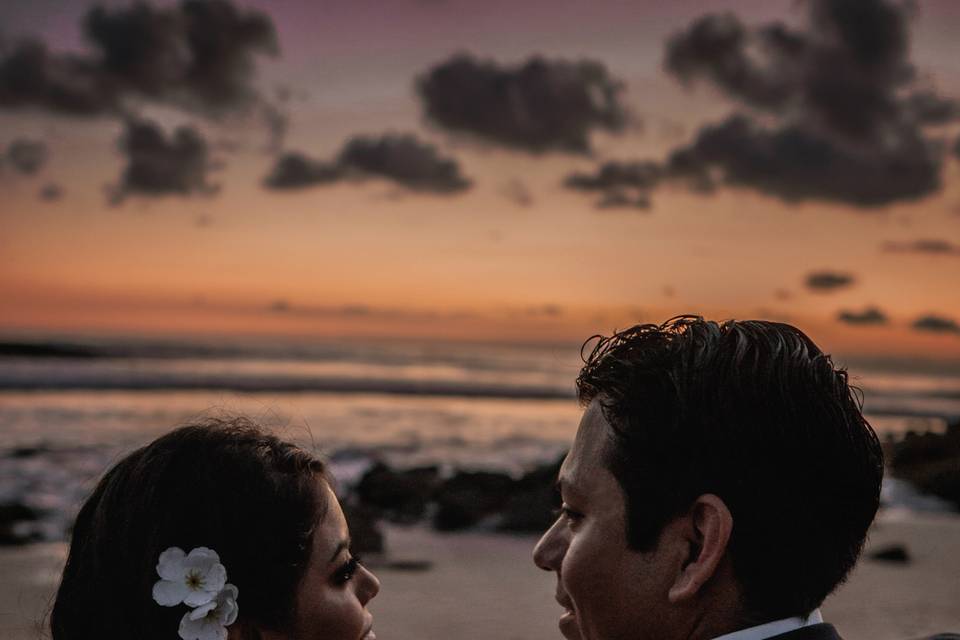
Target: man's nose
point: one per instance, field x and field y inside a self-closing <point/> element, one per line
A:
<point x="548" y="554"/>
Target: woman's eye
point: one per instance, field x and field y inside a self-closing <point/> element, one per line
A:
<point x="346" y="571"/>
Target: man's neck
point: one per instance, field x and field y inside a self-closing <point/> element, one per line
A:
<point x="773" y="628"/>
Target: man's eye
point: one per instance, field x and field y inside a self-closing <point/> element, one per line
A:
<point x="568" y="513"/>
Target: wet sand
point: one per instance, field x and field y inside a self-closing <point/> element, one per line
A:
<point x="479" y="586"/>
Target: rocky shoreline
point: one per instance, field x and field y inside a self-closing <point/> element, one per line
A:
<point x="928" y="461"/>
<point x="43" y="487"/>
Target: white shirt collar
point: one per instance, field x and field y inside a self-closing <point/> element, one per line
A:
<point x="774" y="628"/>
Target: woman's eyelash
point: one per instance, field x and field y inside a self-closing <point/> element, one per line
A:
<point x="346" y="571"/>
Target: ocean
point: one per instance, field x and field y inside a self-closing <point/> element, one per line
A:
<point x="68" y="408"/>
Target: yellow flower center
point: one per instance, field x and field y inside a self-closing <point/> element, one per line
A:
<point x="194" y="581"/>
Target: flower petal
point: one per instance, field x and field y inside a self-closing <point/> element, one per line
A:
<point x="203" y="555"/>
<point x="227" y="608"/>
<point x="169" y="593"/>
<point x="212" y="630"/>
<point x="202" y="610"/>
<point x="190" y="629"/>
<point x="196" y="598"/>
<point x="215" y="577"/>
<point x="170" y="564"/>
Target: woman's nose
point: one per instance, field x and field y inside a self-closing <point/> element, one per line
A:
<point x="370" y="586"/>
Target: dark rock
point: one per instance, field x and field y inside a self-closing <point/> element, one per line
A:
<point x="892" y="553"/>
<point x="409" y="565"/>
<point x="401" y="496"/>
<point x="532" y="506"/>
<point x="468" y="497"/>
<point x="13" y="517"/>
<point x="929" y="461"/>
<point x="365" y="533"/>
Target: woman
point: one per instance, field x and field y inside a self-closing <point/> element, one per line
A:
<point x="214" y="531"/>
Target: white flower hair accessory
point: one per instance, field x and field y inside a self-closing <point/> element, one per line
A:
<point x="198" y="580"/>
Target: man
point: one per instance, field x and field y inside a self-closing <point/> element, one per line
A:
<point x="720" y="485"/>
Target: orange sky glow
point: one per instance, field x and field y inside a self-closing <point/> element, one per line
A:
<point x="515" y="257"/>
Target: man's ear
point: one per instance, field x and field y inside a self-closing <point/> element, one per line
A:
<point x="708" y="525"/>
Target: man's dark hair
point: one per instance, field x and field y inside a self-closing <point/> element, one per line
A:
<point x="223" y="484"/>
<point x="756" y="414"/>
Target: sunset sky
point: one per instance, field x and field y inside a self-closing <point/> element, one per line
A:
<point x="519" y="170"/>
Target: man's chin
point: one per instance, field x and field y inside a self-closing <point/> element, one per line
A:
<point x="568" y="626"/>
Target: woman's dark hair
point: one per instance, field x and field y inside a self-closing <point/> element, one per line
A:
<point x="756" y="414"/>
<point x="222" y="484"/>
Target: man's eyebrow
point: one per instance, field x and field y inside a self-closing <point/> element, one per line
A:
<point x="341" y="546"/>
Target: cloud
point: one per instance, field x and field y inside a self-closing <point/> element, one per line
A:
<point x="32" y="76"/>
<point x="158" y="165"/>
<point x="936" y="324"/>
<point x="629" y="184"/>
<point x="401" y="158"/>
<point x="924" y="246"/>
<point x="868" y="316"/>
<point x="541" y="105"/>
<point x="842" y="73"/>
<point x="794" y="163"/>
<point x="51" y="192"/>
<point x="828" y="281"/>
<point x="198" y="55"/>
<point x="294" y="170"/>
<point x="27" y="156"/>
<point x="827" y="112"/>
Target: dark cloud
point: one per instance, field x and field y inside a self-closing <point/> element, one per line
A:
<point x="401" y="158"/>
<point x="51" y="192"/>
<point x="828" y="281"/>
<point x="868" y="316"/>
<point x="27" y="156"/>
<point x="925" y="246"/>
<point x="158" y="165"/>
<point x="793" y="163"/>
<point x="830" y="109"/>
<point x="541" y="105"/>
<point x="294" y="170"/>
<point x="720" y="48"/>
<point x="33" y="76"/>
<point x="198" y="55"/>
<point x="936" y="324"/>
<point x="842" y="73"/>
<point x="629" y="184"/>
<point x="622" y="200"/>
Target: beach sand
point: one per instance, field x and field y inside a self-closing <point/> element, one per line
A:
<point x="480" y="586"/>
